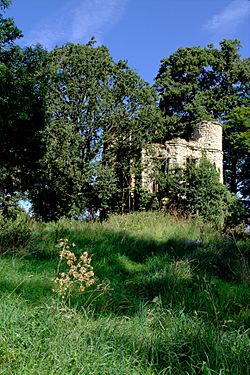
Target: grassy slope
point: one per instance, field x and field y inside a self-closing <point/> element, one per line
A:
<point x="167" y="305"/>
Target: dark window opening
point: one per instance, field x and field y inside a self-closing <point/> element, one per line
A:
<point x="165" y="166"/>
<point x="155" y="187"/>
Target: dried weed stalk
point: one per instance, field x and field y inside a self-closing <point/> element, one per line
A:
<point x="80" y="272"/>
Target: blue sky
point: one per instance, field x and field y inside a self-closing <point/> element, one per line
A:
<point x="140" y="31"/>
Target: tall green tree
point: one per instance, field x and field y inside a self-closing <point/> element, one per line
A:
<point x="22" y="117"/>
<point x="73" y="130"/>
<point x="237" y="152"/>
<point x="9" y="32"/>
<point x="22" y="114"/>
<point x="98" y="114"/>
<point x="209" y="83"/>
<point x="133" y="120"/>
<point x="201" y="83"/>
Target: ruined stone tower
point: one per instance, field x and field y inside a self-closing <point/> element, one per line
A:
<point x="206" y="140"/>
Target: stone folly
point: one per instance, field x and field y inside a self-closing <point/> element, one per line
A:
<point x="206" y="140"/>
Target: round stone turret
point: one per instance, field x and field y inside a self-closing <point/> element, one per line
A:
<point x="206" y="141"/>
<point x="208" y="135"/>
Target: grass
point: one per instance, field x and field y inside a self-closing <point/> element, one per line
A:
<point x="163" y="303"/>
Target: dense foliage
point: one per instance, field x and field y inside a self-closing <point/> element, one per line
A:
<point x="195" y="190"/>
<point x="237" y="152"/>
<point x="22" y="115"/>
<point x="201" y="83"/>
<point x="8" y="29"/>
<point x="98" y="115"/>
<point x="22" y="118"/>
<point x="209" y="83"/>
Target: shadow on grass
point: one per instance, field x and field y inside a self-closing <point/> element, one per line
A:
<point x="32" y="291"/>
<point x="132" y="270"/>
<point x="29" y="279"/>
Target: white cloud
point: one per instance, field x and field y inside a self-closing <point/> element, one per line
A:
<point x="93" y="17"/>
<point x="48" y="36"/>
<point x="227" y="21"/>
<point x="78" y="22"/>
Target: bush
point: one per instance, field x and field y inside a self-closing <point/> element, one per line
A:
<point x="14" y="234"/>
<point x="196" y="191"/>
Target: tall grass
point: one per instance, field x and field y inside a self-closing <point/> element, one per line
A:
<point x="169" y="298"/>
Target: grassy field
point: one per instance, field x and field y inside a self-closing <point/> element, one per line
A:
<point x="170" y="297"/>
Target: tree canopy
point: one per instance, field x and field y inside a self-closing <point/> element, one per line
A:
<point x="201" y="83"/>
<point x="9" y="32"/>
<point x="237" y="152"/>
<point x="21" y="111"/>
<point x="98" y="114"/>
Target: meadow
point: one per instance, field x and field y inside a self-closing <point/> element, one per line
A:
<point x="170" y="297"/>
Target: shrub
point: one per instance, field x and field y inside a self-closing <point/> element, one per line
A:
<point x="196" y="191"/>
<point x="14" y="234"/>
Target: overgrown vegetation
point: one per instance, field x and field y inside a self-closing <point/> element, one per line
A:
<point x="199" y="83"/>
<point x="170" y="297"/>
<point x="195" y="190"/>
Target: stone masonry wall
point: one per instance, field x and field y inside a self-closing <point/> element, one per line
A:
<point x="206" y="139"/>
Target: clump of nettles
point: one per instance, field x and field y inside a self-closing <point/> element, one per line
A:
<point x="79" y="274"/>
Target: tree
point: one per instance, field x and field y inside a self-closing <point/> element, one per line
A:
<point x="197" y="84"/>
<point x="201" y="83"/>
<point x="22" y="114"/>
<point x="98" y="113"/>
<point x="4" y="4"/>
<point x="8" y="30"/>
<point x="133" y="120"/>
<point x="19" y="110"/>
<point x="237" y="152"/>
<point x="22" y="118"/>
